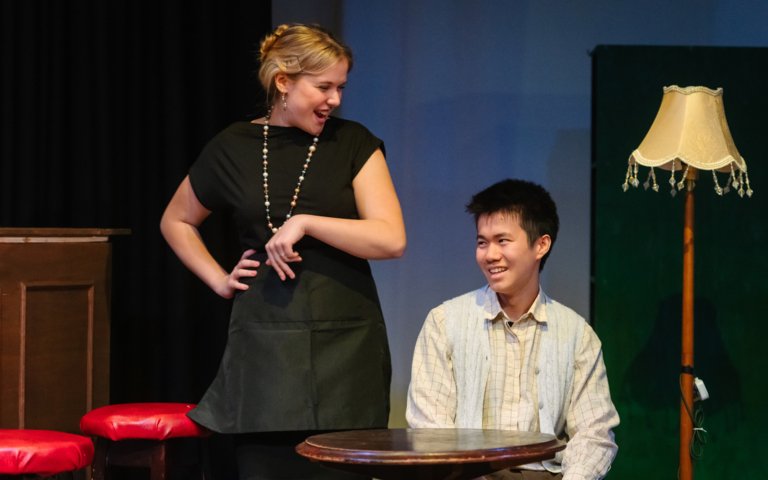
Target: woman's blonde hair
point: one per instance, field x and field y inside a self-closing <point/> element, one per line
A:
<point x="296" y="49"/>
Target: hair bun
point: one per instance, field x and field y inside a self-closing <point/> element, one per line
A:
<point x="269" y="40"/>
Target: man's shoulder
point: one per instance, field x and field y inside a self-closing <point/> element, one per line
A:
<point x="474" y="299"/>
<point x="463" y="311"/>
<point x="559" y="310"/>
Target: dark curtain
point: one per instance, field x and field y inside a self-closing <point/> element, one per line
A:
<point x="105" y="104"/>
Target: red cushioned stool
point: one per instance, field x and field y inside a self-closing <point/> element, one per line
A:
<point x="44" y="453"/>
<point x="143" y="435"/>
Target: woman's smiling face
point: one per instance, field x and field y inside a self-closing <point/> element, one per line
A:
<point x="310" y="99"/>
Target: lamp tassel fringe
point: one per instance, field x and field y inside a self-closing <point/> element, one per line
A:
<point x="738" y="180"/>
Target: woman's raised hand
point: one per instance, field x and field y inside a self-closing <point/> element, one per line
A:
<point x="280" y="247"/>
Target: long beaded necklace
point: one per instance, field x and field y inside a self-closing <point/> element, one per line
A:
<point x="265" y="174"/>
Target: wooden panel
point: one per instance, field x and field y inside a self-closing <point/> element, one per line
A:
<point x="54" y="332"/>
<point x="10" y="344"/>
<point x="56" y="370"/>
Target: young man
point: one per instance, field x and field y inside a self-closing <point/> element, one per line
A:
<point x="507" y="356"/>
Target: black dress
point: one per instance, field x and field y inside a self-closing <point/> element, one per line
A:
<point x="303" y="354"/>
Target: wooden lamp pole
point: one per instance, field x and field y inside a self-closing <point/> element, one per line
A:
<point x="686" y="358"/>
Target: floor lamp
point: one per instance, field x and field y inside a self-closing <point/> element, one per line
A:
<point x="689" y="135"/>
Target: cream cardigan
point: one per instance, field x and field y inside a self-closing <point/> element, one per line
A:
<point x="467" y="331"/>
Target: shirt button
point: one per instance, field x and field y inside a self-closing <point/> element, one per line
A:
<point x="541" y="405"/>
<point x="537" y="370"/>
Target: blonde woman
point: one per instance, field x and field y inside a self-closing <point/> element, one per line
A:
<point x="313" y="200"/>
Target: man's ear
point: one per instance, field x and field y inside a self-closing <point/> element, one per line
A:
<point x="542" y="246"/>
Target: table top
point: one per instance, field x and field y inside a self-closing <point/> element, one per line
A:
<point x="59" y="235"/>
<point x="429" y="453"/>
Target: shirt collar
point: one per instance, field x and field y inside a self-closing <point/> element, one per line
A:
<point x="492" y="309"/>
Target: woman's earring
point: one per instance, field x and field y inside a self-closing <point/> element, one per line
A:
<point x="285" y="104"/>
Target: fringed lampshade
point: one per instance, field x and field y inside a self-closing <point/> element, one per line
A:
<point x="690" y="131"/>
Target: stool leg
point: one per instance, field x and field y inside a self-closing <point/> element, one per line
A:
<point x="99" y="467"/>
<point x="159" y="465"/>
<point x="204" y="459"/>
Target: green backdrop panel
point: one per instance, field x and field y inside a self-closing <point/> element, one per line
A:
<point x="637" y="266"/>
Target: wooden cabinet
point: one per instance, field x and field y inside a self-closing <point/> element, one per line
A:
<point x="54" y="325"/>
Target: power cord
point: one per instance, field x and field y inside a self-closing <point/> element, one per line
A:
<point x="700" y="435"/>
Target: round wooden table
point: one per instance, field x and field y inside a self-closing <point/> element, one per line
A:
<point x="427" y="453"/>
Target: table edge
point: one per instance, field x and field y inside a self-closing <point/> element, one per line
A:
<point x="521" y="455"/>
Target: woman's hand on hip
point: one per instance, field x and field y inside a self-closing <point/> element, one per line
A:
<point x="244" y="268"/>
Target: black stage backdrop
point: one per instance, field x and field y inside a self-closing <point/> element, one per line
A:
<point x="105" y="104"/>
